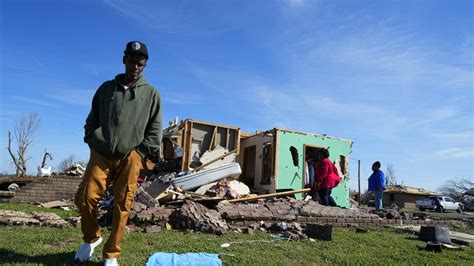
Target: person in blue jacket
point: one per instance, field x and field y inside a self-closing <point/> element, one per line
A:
<point x="377" y="184"/>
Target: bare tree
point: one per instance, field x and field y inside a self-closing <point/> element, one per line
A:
<point x="390" y="178"/>
<point x="66" y="163"/>
<point x="457" y="188"/>
<point x="23" y="133"/>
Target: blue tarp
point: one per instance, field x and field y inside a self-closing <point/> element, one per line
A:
<point x="173" y="259"/>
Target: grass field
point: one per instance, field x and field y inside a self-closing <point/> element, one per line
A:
<point x="50" y="246"/>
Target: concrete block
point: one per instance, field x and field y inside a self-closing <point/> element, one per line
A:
<point x="320" y="232"/>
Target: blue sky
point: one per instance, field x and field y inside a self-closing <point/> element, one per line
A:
<point x="396" y="77"/>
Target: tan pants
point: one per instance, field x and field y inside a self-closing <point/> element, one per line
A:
<point x="123" y="174"/>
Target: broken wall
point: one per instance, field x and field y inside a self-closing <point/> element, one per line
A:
<point x="290" y="176"/>
<point x="197" y="137"/>
<point x="258" y="141"/>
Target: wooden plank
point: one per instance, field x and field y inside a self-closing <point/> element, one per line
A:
<point x="237" y="141"/>
<point x="212" y="124"/>
<point x="213" y="139"/>
<point x="187" y="146"/>
<point x="56" y="204"/>
<point x="277" y="147"/>
<point x="227" y="139"/>
<point x="286" y="193"/>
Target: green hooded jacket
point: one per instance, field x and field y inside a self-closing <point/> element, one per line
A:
<point x="122" y="120"/>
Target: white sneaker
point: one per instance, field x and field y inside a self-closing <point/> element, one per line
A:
<point x="110" y="262"/>
<point x="86" y="250"/>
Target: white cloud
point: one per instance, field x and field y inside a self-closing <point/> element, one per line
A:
<point x="456" y="136"/>
<point x="35" y="101"/>
<point x="72" y="96"/>
<point x="456" y="153"/>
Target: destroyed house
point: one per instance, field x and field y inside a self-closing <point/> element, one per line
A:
<point x="405" y="196"/>
<point x="275" y="160"/>
<point x="191" y="139"/>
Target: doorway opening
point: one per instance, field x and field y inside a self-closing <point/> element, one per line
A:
<point x="310" y="160"/>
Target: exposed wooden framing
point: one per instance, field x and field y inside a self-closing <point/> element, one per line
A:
<point x="237" y="141"/>
<point x="212" y="124"/>
<point x="227" y="139"/>
<point x="286" y="193"/>
<point x="185" y="138"/>
<point x="212" y="144"/>
<point x="187" y="145"/>
<point x="276" y="138"/>
<point x="213" y="161"/>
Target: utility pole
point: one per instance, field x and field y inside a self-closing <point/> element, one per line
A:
<point x="358" y="175"/>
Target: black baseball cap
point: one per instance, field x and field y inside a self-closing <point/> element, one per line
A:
<point x="136" y="47"/>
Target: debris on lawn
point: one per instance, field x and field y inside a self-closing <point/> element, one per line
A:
<point x="196" y="216"/>
<point x="56" y="204"/>
<point x="435" y="234"/>
<point x="455" y="237"/>
<point x="12" y="218"/>
<point x="319" y="232"/>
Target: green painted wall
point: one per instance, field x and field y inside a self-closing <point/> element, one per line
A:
<point x="290" y="176"/>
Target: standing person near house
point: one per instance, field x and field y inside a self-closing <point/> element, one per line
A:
<point x="123" y="127"/>
<point x="377" y="184"/>
<point x="326" y="178"/>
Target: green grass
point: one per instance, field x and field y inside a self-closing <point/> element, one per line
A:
<point x="50" y="246"/>
<point x="29" y="208"/>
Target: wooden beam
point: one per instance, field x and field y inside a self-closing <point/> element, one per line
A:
<point x="187" y="145"/>
<point x="213" y="139"/>
<point x="265" y="196"/>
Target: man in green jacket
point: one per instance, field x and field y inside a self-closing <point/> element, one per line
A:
<point x="123" y="126"/>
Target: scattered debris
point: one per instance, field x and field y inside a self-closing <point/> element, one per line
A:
<point x="435" y="234"/>
<point x="75" y="170"/>
<point x="56" y="204"/>
<point x="36" y="218"/>
<point x="13" y="187"/>
<point x="455" y="237"/>
<point x="74" y="221"/>
<point x="232" y="189"/>
<point x="50" y="219"/>
<point x="195" y="180"/>
<point x="219" y="156"/>
<point x="438" y="247"/>
<point x="196" y="216"/>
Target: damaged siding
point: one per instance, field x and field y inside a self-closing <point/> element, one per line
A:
<point x="290" y="176"/>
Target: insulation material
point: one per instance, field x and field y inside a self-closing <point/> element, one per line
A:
<point x="216" y="153"/>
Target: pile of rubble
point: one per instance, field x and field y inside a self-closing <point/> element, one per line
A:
<point x="12" y="218"/>
<point x="277" y="216"/>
